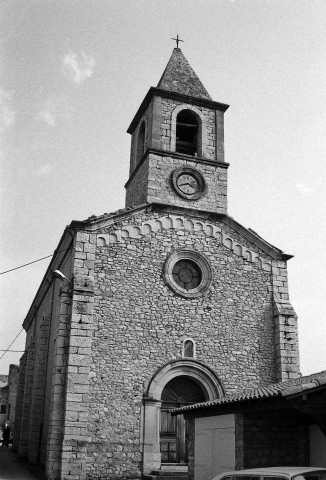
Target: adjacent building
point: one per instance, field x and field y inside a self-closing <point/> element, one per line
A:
<point x="8" y="396"/>
<point x="280" y="424"/>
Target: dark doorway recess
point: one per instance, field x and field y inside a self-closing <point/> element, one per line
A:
<point x="180" y="391"/>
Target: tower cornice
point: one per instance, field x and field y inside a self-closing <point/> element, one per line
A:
<point x="154" y="91"/>
<point x="182" y="156"/>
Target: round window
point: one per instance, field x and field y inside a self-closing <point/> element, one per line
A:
<point x="187" y="273"/>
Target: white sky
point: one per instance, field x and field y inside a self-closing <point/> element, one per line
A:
<point x="72" y="75"/>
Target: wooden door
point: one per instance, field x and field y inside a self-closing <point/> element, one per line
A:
<point x="174" y="430"/>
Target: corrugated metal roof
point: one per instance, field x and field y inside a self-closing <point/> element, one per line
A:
<point x="282" y="389"/>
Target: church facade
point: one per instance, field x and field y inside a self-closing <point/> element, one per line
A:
<point x="163" y="304"/>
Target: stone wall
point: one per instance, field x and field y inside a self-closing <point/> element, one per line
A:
<point x="38" y="428"/>
<point x="94" y="346"/>
<point x="76" y="333"/>
<point x="286" y="328"/>
<point x="208" y="125"/>
<point x="160" y="120"/>
<point x="137" y="193"/>
<point x="160" y="188"/>
<point x="152" y="183"/>
<point x="148" y="119"/>
<point x="274" y="437"/>
<point x="140" y="325"/>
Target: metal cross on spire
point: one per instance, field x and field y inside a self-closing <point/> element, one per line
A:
<point x="177" y="40"/>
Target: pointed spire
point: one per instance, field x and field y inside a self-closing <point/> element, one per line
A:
<point x="179" y="77"/>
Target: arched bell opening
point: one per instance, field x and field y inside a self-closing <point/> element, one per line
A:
<point x="141" y="142"/>
<point x="187" y="133"/>
<point x="178" y="392"/>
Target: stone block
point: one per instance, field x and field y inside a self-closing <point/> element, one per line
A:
<point x="89" y="248"/>
<point x="80" y="341"/>
<point x="82" y="237"/>
<point x="79" y="360"/>
<point x="74" y="397"/>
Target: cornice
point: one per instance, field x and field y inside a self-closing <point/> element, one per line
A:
<point x="160" y="92"/>
<point x="180" y="156"/>
<point x="60" y="253"/>
<point x="170" y="218"/>
<point x="200" y="215"/>
<point x="93" y="224"/>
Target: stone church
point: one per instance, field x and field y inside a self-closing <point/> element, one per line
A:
<point x="163" y="304"/>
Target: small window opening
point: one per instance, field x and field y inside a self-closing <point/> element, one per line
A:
<point x="3" y="409"/>
<point x="189" y="349"/>
<point x="141" y="142"/>
<point x="187" y="133"/>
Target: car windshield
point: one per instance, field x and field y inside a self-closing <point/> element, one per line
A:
<point x="245" y="477"/>
<point x="317" y="475"/>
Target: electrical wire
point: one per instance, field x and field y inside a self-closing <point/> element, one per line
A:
<point x="16" y="268"/>
<point x="30" y="263"/>
<point x="11" y="344"/>
<point x="11" y="270"/>
<point x="15" y="351"/>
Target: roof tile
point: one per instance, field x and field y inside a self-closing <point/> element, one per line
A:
<point x="179" y="77"/>
<point x="274" y="390"/>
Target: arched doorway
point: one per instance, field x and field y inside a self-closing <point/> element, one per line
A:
<point x="204" y="385"/>
<point x="178" y="392"/>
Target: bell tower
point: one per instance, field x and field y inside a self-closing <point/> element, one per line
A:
<point x="177" y="144"/>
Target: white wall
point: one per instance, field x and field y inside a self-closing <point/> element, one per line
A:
<point x="214" y="446"/>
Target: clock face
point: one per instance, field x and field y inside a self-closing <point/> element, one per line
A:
<point x="187" y="184"/>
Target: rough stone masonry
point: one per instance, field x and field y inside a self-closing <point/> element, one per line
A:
<point x="105" y="346"/>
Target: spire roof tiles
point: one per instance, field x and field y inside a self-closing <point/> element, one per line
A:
<point x="179" y="77"/>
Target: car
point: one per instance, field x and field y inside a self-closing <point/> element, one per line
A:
<point x="275" y="473"/>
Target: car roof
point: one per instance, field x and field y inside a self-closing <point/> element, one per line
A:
<point x="270" y="470"/>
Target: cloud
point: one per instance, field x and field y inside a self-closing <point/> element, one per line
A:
<point x="7" y="114"/>
<point x="304" y="188"/>
<point x="48" y="116"/>
<point x="53" y="109"/>
<point x="78" y="67"/>
<point x="44" y="170"/>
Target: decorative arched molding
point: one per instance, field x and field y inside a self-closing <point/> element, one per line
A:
<point x="197" y="371"/>
<point x="101" y="241"/>
<point x="202" y="127"/>
<point x="167" y="222"/>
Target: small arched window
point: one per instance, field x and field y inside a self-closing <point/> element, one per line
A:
<point x="189" y="349"/>
<point x="187" y="132"/>
<point x="141" y="142"/>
